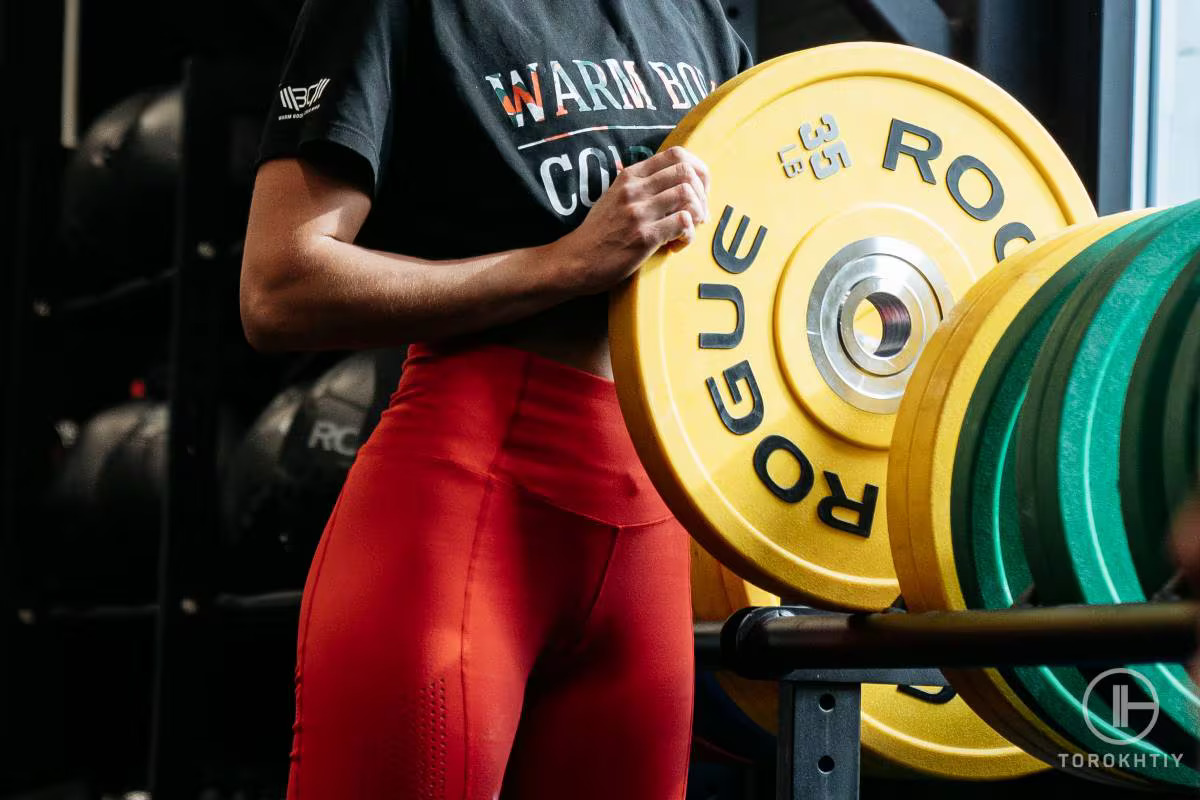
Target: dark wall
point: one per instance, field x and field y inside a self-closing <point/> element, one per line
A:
<point x="1047" y="55"/>
<point x="787" y="25"/>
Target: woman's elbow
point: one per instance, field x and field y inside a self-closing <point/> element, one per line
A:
<point x="294" y="213"/>
<point x="259" y="328"/>
<point x="263" y="308"/>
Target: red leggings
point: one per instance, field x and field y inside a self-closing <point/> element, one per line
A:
<point x="499" y="605"/>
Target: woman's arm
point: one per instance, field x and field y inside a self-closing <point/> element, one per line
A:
<point x="307" y="286"/>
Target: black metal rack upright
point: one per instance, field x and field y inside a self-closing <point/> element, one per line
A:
<point x="224" y="105"/>
<point x="203" y="257"/>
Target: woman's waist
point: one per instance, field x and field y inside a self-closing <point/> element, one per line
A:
<point x="524" y="418"/>
<point x="574" y="333"/>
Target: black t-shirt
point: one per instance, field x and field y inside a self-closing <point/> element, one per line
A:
<point x="492" y="124"/>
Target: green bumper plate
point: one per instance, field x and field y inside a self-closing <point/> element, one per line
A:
<point x="993" y="570"/>
<point x="1069" y="439"/>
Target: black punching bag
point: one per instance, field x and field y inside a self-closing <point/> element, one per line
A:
<point x="119" y="193"/>
<point x="284" y="478"/>
<point x="107" y="547"/>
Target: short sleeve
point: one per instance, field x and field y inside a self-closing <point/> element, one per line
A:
<point x="337" y="81"/>
<point x="745" y="59"/>
<point x="735" y="55"/>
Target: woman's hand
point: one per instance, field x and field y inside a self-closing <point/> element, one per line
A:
<point x="656" y="202"/>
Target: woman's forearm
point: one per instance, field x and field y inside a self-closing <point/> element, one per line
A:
<point x="343" y="296"/>
<point x="305" y="286"/>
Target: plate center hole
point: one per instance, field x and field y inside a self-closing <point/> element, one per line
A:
<point x="882" y="324"/>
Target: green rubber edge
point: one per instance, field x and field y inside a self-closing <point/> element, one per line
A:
<point x="988" y="549"/>
<point x="1149" y="441"/>
<point x="1070" y="506"/>
<point x="1017" y="723"/>
<point x="980" y="568"/>
<point x="1041" y="522"/>
<point x="1181" y="417"/>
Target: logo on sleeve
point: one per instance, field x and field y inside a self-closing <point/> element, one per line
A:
<point x="301" y="100"/>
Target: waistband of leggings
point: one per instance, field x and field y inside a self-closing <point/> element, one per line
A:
<point x="546" y="426"/>
<point x="494" y="378"/>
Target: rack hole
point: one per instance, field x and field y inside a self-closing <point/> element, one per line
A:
<point x="825" y="764"/>
<point x="827" y="702"/>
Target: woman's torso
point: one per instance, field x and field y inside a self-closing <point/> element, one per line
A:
<point x="511" y="117"/>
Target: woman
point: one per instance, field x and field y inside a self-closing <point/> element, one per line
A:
<point x="499" y="603"/>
